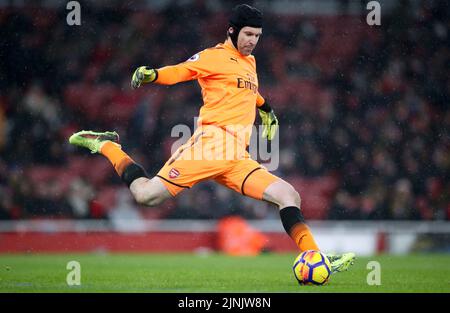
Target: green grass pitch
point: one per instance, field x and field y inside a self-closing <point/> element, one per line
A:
<point x="213" y="273"/>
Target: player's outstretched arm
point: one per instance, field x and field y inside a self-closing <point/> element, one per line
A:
<point x="199" y="65"/>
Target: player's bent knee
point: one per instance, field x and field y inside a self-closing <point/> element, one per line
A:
<point x="147" y="197"/>
<point x="153" y="201"/>
<point x="149" y="192"/>
<point x="290" y="198"/>
<point x="143" y="192"/>
<point x="140" y="195"/>
<point x="283" y="194"/>
<point x="295" y="196"/>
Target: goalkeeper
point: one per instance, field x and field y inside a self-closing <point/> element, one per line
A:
<point x="228" y="79"/>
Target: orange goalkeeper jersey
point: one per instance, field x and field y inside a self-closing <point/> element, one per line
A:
<point x="229" y="86"/>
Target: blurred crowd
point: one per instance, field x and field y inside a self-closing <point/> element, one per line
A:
<point x="363" y="110"/>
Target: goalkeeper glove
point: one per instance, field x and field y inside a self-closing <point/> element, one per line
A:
<point x="269" y="121"/>
<point x="143" y="74"/>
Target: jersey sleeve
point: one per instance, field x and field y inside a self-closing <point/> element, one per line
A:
<point x="259" y="100"/>
<point x="197" y="66"/>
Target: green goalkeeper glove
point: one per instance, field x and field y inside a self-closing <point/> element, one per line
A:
<point x="269" y="121"/>
<point x="143" y="74"/>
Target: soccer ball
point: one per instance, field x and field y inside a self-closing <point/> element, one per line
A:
<point x="312" y="268"/>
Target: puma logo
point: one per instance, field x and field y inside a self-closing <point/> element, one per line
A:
<point x="233" y="59"/>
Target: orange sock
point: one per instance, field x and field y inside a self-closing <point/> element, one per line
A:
<point x="303" y="237"/>
<point x="119" y="159"/>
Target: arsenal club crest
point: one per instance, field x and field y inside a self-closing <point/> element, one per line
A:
<point x="174" y="173"/>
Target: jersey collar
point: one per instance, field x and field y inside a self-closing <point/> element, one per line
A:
<point x="229" y="46"/>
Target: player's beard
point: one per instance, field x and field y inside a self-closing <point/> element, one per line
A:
<point x="247" y="50"/>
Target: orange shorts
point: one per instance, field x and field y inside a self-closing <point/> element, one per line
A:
<point x="213" y="153"/>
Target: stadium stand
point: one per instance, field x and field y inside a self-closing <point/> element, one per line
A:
<point x="363" y="111"/>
